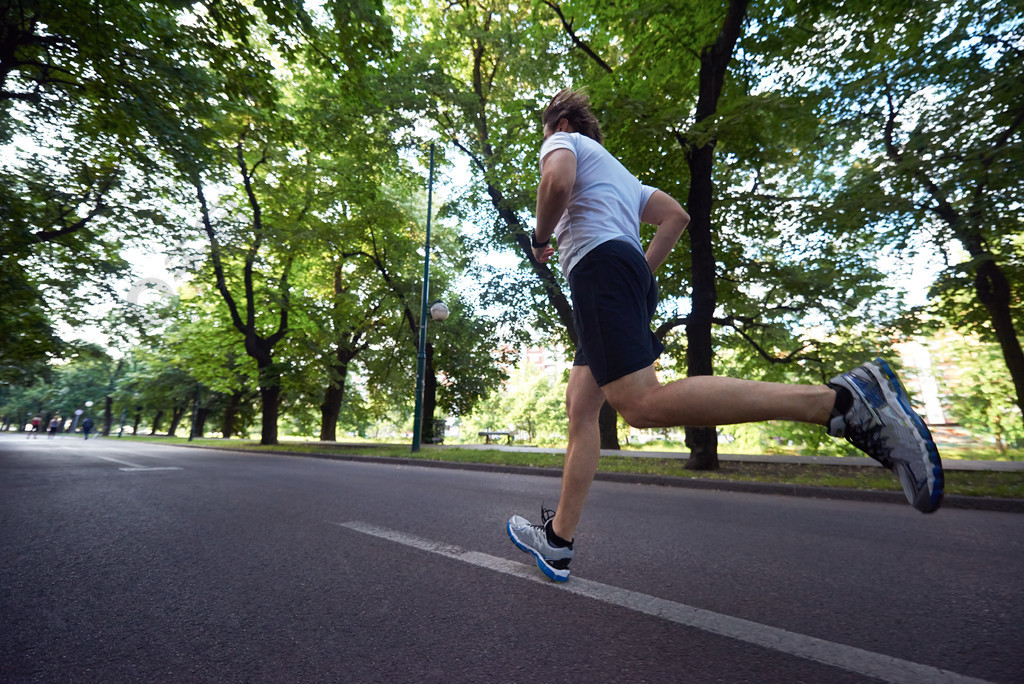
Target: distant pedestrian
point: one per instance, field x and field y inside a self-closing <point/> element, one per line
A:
<point x="36" y="424"/>
<point x="87" y="427"/>
<point x="54" y="426"/>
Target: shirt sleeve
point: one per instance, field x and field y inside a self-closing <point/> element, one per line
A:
<point x="645" y="195"/>
<point x="557" y="141"/>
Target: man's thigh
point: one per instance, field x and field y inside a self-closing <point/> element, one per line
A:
<point x="583" y="396"/>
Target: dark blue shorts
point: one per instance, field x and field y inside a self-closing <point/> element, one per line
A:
<point x="614" y="295"/>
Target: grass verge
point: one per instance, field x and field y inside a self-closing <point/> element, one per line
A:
<point x="999" y="484"/>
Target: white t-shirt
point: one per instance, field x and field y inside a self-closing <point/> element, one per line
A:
<point x="606" y="200"/>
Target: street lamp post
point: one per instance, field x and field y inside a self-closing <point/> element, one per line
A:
<point x="421" y="356"/>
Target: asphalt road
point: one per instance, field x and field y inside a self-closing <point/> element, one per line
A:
<point x="128" y="563"/>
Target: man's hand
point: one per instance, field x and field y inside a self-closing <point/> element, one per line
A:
<point x="543" y="254"/>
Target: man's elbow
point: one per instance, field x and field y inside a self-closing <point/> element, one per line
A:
<point x="678" y="220"/>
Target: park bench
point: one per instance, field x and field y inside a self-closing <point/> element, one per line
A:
<point x="488" y="434"/>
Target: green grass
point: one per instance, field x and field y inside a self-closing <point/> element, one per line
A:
<point x="958" y="482"/>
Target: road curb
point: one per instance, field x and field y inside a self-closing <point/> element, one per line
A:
<point x="979" y="503"/>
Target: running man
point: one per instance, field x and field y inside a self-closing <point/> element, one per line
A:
<point x="593" y="207"/>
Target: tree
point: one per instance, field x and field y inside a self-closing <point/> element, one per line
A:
<point x="272" y="294"/>
<point x="276" y="200"/>
<point x="86" y="88"/>
<point x="461" y="350"/>
<point x="934" y="91"/>
<point x="362" y="188"/>
<point x="198" y="336"/>
<point x="155" y="381"/>
<point x="699" y="150"/>
<point x="80" y="381"/>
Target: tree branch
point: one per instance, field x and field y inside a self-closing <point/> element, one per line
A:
<point x="257" y="221"/>
<point x="99" y="208"/>
<point x="665" y="328"/>
<point x="741" y="324"/>
<point x="282" y="328"/>
<point x="218" y="265"/>
<point x="567" y="25"/>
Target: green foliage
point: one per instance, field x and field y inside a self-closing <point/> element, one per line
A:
<point x="27" y="341"/>
<point x="89" y="92"/>
<point x="980" y="392"/>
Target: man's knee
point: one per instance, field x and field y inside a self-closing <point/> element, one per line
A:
<point x="580" y="408"/>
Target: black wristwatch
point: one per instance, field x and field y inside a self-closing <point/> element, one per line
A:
<point x="533" y="240"/>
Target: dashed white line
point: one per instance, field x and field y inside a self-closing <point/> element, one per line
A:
<point x="850" y="658"/>
<point x="138" y="469"/>
<point x="134" y="467"/>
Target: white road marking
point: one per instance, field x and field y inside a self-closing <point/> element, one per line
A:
<point x="133" y="467"/>
<point x="850" y="658"/>
<point x="142" y="468"/>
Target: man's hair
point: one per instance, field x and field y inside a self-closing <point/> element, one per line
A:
<point x="573" y="105"/>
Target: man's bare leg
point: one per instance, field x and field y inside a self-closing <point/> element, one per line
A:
<point x="709" y="400"/>
<point x="583" y="400"/>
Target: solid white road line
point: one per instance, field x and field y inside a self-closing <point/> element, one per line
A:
<point x="883" y="667"/>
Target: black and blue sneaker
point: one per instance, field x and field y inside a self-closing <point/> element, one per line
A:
<point x="881" y="423"/>
<point x="552" y="560"/>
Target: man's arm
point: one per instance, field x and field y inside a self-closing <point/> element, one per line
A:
<point x="671" y="219"/>
<point x="553" y="193"/>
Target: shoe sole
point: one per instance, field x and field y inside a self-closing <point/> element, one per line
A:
<point x="929" y="499"/>
<point x="550" y="572"/>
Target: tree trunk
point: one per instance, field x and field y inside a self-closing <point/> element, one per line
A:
<point x="270" y="398"/>
<point x="993" y="291"/>
<point x="108" y="416"/>
<point x="330" y="408"/>
<point x="227" y="427"/>
<point x="156" y="421"/>
<point x="138" y="419"/>
<point x="702" y="442"/>
<point x="176" y="416"/>
<point x="556" y="297"/>
<point x="270" y="388"/>
<point x="608" y="423"/>
<point x="199" y="429"/>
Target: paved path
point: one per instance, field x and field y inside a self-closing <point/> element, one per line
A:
<point x="129" y="562"/>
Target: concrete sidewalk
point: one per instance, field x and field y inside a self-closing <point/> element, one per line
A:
<point x="947" y="463"/>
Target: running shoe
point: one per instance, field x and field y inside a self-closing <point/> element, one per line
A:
<point x="882" y="424"/>
<point x="553" y="561"/>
